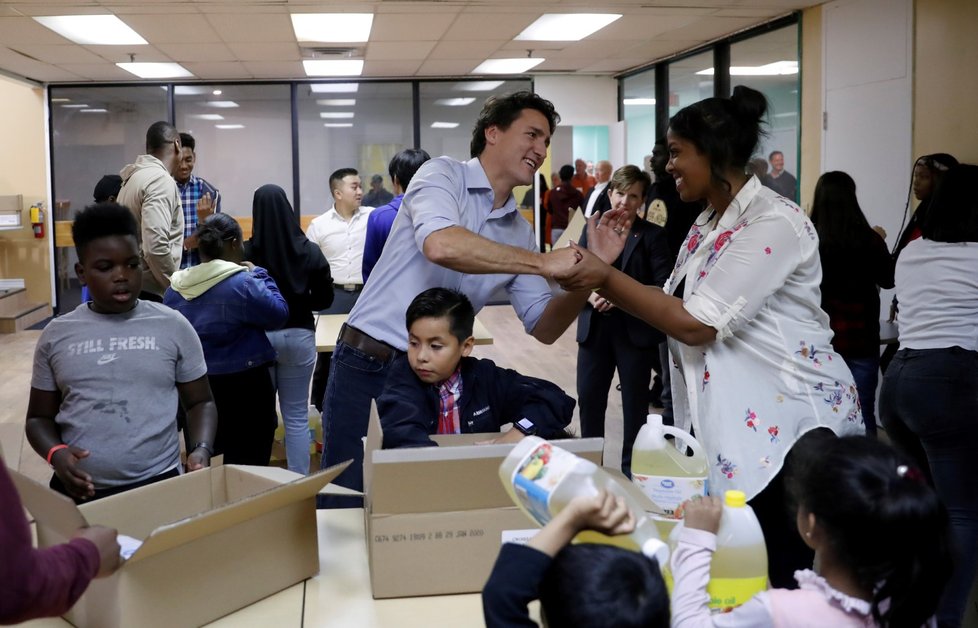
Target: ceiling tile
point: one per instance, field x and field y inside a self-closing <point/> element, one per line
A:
<point x="391" y="68"/>
<point x="471" y="26"/>
<point x="448" y="67"/>
<point x="395" y="50"/>
<point x="98" y="71"/>
<point x="205" y="53"/>
<point x="157" y="8"/>
<point x="219" y="70"/>
<point x="410" y="26"/>
<point x="276" y="69"/>
<point x="253" y="27"/>
<point x="58" y="54"/>
<point x="167" y="29"/>
<point x="284" y="51"/>
<point x="24" y="30"/>
<point x="454" y="49"/>
<point x="120" y="54"/>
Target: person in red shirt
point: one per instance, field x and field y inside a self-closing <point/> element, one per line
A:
<point x="46" y="582"/>
<point x="582" y="180"/>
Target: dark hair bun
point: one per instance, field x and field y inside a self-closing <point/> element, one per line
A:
<point x="749" y="104"/>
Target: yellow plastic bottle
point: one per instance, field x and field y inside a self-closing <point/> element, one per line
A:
<point x="542" y="479"/>
<point x="739" y="567"/>
<point x="665" y="474"/>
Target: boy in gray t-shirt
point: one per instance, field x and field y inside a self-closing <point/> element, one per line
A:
<point x="108" y="376"/>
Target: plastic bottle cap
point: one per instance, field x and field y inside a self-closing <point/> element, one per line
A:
<point x="654" y="419"/>
<point x="735" y="499"/>
<point x="655" y="548"/>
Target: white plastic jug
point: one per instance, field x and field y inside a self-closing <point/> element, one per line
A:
<point x="542" y="479"/>
<point x="738" y="570"/>
<point x="665" y="474"/>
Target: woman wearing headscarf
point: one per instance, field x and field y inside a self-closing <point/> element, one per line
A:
<point x="302" y="274"/>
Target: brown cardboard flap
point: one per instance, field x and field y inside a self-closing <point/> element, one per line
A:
<point x="51" y="509"/>
<point x="373" y="442"/>
<point x="448" y="477"/>
<point x="181" y="532"/>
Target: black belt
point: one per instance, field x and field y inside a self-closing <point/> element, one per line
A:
<point x="348" y="287"/>
<point x="367" y="344"/>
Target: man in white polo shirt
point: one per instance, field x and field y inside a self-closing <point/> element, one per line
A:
<point x="340" y="232"/>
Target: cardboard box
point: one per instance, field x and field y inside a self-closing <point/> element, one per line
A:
<point x="437" y="516"/>
<point x="213" y="541"/>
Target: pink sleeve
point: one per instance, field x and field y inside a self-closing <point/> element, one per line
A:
<point x="37" y="583"/>
<point x="690" y="566"/>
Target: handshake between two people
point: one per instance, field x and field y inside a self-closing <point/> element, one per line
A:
<point x="575" y="268"/>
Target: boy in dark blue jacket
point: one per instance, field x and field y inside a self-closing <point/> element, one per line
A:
<point x="438" y="389"/>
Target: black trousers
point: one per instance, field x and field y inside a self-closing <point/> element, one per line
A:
<point x="343" y="302"/>
<point x="606" y="349"/>
<point x="246" y="418"/>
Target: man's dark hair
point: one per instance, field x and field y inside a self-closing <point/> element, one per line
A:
<point x="99" y="221"/>
<point x="159" y="135"/>
<point x="443" y="303"/>
<point x="108" y="186"/>
<point x="602" y="585"/>
<point x="566" y="172"/>
<point x="773" y="153"/>
<point x="337" y="177"/>
<point x="187" y="141"/>
<point x="500" y="111"/>
<point x="405" y="164"/>
<point x="953" y="212"/>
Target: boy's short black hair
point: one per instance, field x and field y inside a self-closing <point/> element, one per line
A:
<point x="443" y="303"/>
<point x="566" y="172"/>
<point x="101" y="220"/>
<point x="187" y="141"/>
<point x="603" y="585"/>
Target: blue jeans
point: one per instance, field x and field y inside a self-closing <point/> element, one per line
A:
<point x="296" y="349"/>
<point x="866" y="372"/>
<point x="929" y="407"/>
<point x="355" y="379"/>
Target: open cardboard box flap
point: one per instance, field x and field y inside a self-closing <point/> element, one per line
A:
<point x="229" y="486"/>
<point x="457" y="475"/>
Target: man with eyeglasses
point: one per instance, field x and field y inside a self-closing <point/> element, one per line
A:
<point x="151" y="194"/>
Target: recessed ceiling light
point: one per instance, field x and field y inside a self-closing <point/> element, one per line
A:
<point x="335" y="115"/>
<point x="454" y="102"/>
<point x="74" y="106"/>
<point x="507" y="66"/>
<point x="217" y="92"/>
<point x="188" y="90"/>
<point x="337" y="102"/>
<point x="220" y="104"/>
<point x="98" y="110"/>
<point x="477" y="86"/>
<point x="638" y="101"/>
<point x="330" y="67"/>
<point x="99" y="30"/>
<point x="338" y="125"/>
<point x="60" y="100"/>
<point x="155" y="70"/>
<point x="229" y="126"/>
<point x="444" y="125"/>
<point x="777" y="68"/>
<point x="208" y="116"/>
<point x="334" y="88"/>
<point x="566" y="26"/>
<point x="334" y="27"/>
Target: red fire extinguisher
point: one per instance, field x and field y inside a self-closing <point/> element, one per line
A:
<point x="37" y="220"/>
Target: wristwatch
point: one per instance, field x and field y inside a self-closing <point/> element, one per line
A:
<point x="205" y="446"/>
<point x="526" y="426"/>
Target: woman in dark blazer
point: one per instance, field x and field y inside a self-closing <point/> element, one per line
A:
<point x="609" y="338"/>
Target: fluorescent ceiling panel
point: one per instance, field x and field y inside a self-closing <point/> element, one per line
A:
<point x="329" y="67"/>
<point x="99" y="110"/>
<point x="507" y="66"/>
<point x="454" y="102"/>
<point x="189" y="90"/>
<point x="638" y="101"/>
<point x="155" y="70"/>
<point x="79" y="106"/>
<point x="477" y="86"/>
<point x="208" y="116"/>
<point x="332" y="27"/>
<point x="93" y="30"/>
<point x="60" y="100"/>
<point x="338" y="125"/>
<point x="229" y="126"/>
<point x="335" y="115"/>
<point x="337" y="102"/>
<point x="221" y="104"/>
<point x="566" y="26"/>
<point x="334" y="88"/>
<point x="777" y="68"/>
<point x="444" y="125"/>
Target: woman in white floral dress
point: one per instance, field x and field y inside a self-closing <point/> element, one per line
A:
<point x="753" y="366"/>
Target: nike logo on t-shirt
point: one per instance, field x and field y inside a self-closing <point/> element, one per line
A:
<point x="105" y="359"/>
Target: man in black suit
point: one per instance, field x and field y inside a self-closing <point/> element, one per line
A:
<point x="597" y="200"/>
<point x="609" y="338"/>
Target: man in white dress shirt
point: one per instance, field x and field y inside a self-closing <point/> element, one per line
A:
<point x="602" y="173"/>
<point x="341" y="233"/>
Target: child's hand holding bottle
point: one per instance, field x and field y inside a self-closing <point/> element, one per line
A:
<point x="605" y="513"/>
<point x="703" y="513"/>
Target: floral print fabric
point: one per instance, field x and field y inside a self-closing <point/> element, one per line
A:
<point x="771" y="375"/>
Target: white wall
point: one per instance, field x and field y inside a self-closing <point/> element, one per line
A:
<point x="586" y="100"/>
